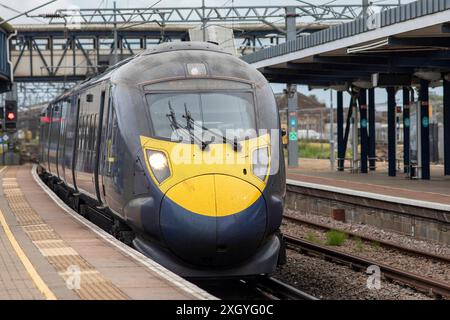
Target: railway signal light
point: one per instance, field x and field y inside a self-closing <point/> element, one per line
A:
<point x="10" y="115"/>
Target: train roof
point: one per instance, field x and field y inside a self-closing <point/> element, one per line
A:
<point x="129" y="71"/>
<point x="184" y="45"/>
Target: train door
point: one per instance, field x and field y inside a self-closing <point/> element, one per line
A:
<point x="72" y="141"/>
<point x="45" y="127"/>
<point x="87" y="137"/>
<point x="110" y="188"/>
<point x="100" y="137"/>
<point x="49" y="137"/>
<point x="65" y="109"/>
<point x="105" y="145"/>
<point x="54" y="139"/>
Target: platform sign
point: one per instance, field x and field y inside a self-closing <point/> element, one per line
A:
<point x="293" y="136"/>
<point x="293" y="122"/>
<point x="406" y="122"/>
<point x="363" y="123"/>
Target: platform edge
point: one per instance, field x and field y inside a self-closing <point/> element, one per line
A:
<point x="164" y="273"/>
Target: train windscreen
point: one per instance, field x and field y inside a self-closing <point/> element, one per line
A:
<point x="175" y="115"/>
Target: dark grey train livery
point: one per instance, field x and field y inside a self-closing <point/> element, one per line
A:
<point x="122" y="149"/>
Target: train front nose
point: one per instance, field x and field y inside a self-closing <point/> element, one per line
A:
<point x="213" y="220"/>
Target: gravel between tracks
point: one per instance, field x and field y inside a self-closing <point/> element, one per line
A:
<point x="374" y="232"/>
<point x="437" y="270"/>
<point x="327" y="280"/>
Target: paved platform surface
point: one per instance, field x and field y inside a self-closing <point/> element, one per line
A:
<point x="435" y="190"/>
<point x="46" y="252"/>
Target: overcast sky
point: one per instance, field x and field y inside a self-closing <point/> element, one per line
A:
<point x="25" y="5"/>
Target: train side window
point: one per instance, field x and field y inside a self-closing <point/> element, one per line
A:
<point x="87" y="139"/>
<point x="92" y="135"/>
<point x="81" y="141"/>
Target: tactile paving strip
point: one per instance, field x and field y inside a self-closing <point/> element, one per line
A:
<point x="92" y="285"/>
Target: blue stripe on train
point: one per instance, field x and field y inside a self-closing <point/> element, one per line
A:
<point x="218" y="241"/>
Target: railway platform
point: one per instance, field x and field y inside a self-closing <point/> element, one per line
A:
<point x="431" y="193"/>
<point x="49" y="252"/>
<point x="417" y="208"/>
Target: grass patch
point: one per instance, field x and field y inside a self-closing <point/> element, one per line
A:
<point x="375" y="244"/>
<point x="314" y="150"/>
<point x="359" y="243"/>
<point x="311" y="237"/>
<point x="336" y="238"/>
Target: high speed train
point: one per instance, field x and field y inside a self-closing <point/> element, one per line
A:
<point x="145" y="151"/>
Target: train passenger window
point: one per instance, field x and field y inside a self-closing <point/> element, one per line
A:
<point x="82" y="141"/>
<point x="227" y="113"/>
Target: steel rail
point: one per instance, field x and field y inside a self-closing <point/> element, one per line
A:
<point x="420" y="283"/>
<point x="279" y="290"/>
<point x="385" y="244"/>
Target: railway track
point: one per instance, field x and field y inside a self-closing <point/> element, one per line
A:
<point x="384" y="244"/>
<point x="275" y="289"/>
<point x="252" y="288"/>
<point x="420" y="283"/>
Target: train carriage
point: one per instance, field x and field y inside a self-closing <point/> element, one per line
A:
<point x="145" y="150"/>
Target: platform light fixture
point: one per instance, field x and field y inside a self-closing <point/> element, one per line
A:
<point x="364" y="84"/>
<point x="428" y="75"/>
<point x="339" y="87"/>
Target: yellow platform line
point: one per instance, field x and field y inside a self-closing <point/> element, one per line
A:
<point x="40" y="284"/>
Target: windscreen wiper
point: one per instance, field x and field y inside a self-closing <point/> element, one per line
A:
<point x="234" y="143"/>
<point x="190" y="122"/>
<point x="176" y="125"/>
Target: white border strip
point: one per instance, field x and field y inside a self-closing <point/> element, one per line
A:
<point x="371" y="195"/>
<point x="147" y="262"/>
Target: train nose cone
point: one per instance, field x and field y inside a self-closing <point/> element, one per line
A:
<point x="213" y="220"/>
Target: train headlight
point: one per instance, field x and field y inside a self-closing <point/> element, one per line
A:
<point x="159" y="164"/>
<point x="260" y="161"/>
